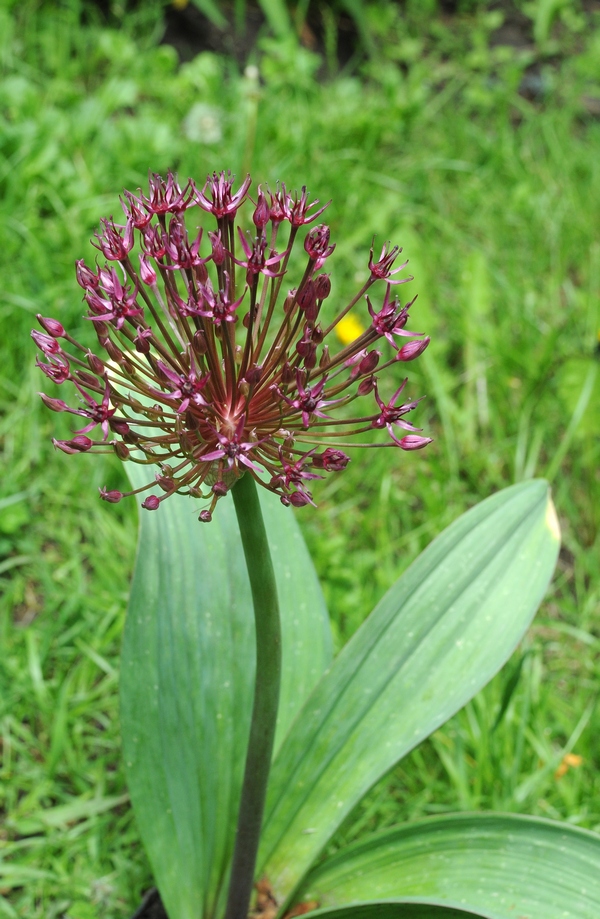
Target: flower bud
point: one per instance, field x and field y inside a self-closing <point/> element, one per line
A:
<point x="56" y="405"/>
<point x="310" y="361"/>
<point x="51" y="326"/>
<point x="113" y="497"/>
<point x="261" y="215"/>
<point x="119" y="426"/>
<point x="121" y="450"/>
<point x="220" y="489"/>
<point x="151" y="503"/>
<point x="101" y="329"/>
<point x="322" y="286"/>
<point x="366" y="386"/>
<point x="413" y="442"/>
<point x="95" y="364"/>
<point x="307" y="300"/>
<point x="199" y="343"/>
<point x="113" y="352"/>
<point x="86" y="379"/>
<point x="254" y="375"/>
<point x="369" y="363"/>
<point x="287" y="373"/>
<point x="205" y="516"/>
<point x="412" y="349"/>
<point x="147" y="272"/>
<point x="79" y="444"/>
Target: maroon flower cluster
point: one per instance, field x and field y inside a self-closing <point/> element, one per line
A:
<point x="204" y="372"/>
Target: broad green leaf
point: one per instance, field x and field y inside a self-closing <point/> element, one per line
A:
<point x="437" y="637"/>
<point x="396" y="909"/>
<point x="187" y="684"/>
<point x="501" y="865"/>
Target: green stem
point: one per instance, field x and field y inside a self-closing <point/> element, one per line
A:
<point x="266" y="695"/>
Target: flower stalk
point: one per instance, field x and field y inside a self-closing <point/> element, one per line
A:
<point x="266" y="695"/>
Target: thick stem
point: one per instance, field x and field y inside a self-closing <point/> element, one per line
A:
<point x="266" y="695"/>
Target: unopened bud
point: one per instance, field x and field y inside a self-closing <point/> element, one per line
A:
<point x="121" y="450"/>
<point x="95" y="364"/>
<point x="199" y="343"/>
<point x="52" y="326"/>
<point x="366" y="386"/>
<point x="151" y="503"/>
<point x="220" y="489"/>
<point x="147" y="272"/>
<point x="56" y="405"/>
<point x="254" y="374"/>
<point x="287" y="373"/>
<point x="261" y="215"/>
<point x="412" y="349"/>
<point x="113" y="352"/>
<point x="322" y="286"/>
<point x="307" y="300"/>
<point x="119" y="427"/>
<point x="102" y="330"/>
<point x="205" y="516"/>
<point x="369" y="363"/>
<point x="413" y="442"/>
<point x="86" y="379"/>
<point x="113" y="497"/>
<point x="165" y="482"/>
<point x="310" y="361"/>
<point x="79" y="444"/>
<point x="289" y="301"/>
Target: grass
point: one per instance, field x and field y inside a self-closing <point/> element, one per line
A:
<point x="496" y="202"/>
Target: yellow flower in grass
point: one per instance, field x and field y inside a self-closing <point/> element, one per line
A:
<point x="569" y="761"/>
<point x="349" y="329"/>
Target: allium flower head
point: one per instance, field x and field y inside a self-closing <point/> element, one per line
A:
<point x="211" y="364"/>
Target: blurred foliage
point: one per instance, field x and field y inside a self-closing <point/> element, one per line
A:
<point x="483" y="161"/>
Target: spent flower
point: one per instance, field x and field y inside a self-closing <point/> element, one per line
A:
<point x="207" y="369"/>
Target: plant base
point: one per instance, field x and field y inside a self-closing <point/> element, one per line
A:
<point x="152" y="907"/>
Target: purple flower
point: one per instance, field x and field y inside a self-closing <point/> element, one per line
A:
<point x="209" y="372"/>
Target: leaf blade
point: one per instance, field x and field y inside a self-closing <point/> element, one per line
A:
<point x="503" y="864"/>
<point x="445" y="613"/>
<point x="187" y="685"/>
<point x="397" y="909"/>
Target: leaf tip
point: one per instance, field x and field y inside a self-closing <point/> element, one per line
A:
<point x="552" y="520"/>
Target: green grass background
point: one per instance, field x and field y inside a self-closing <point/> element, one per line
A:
<point x="496" y="200"/>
